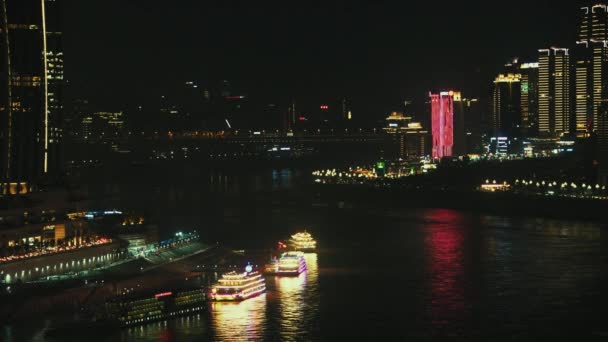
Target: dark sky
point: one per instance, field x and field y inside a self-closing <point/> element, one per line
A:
<point x="123" y="52"/>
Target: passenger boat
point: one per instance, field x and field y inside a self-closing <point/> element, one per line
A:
<point x="235" y="286"/>
<point x="289" y="264"/>
<point x="302" y="242"/>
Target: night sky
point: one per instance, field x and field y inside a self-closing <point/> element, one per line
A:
<point x="124" y="52"/>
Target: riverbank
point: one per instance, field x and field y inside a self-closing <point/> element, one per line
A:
<point x="491" y="203"/>
<point x="69" y="297"/>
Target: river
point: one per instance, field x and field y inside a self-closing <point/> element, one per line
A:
<point x="385" y="273"/>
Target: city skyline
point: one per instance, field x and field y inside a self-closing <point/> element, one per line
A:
<point x="378" y="56"/>
<point x="157" y="159"/>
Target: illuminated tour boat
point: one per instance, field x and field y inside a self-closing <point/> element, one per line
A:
<point x="302" y="242"/>
<point x="234" y="286"/>
<point x="291" y="263"/>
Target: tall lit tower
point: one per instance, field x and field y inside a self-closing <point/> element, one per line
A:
<point x="442" y="122"/>
<point x="54" y="63"/>
<point x="29" y="66"/>
<point x="507" y="104"/>
<point x="602" y="143"/>
<point x="590" y="59"/>
<point x="529" y="98"/>
<point x="289" y="121"/>
<point x="553" y="91"/>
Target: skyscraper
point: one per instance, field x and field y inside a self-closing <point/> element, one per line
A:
<point x="289" y="120"/>
<point x="590" y="58"/>
<point x="55" y="77"/>
<point x="345" y="109"/>
<point x="29" y="94"/>
<point x="529" y="98"/>
<point x="467" y="125"/>
<point x="553" y="91"/>
<point x="507" y="105"/>
<point x="409" y="138"/>
<point x="602" y="143"/>
<point x="593" y="23"/>
<point x="442" y="121"/>
<point x="591" y="85"/>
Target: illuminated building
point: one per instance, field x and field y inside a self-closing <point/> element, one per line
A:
<point x="515" y="100"/>
<point x="290" y="117"/>
<point x="499" y="146"/>
<point x="345" y="109"/>
<point x="506" y="107"/>
<point x="467" y="125"/>
<point x="442" y="120"/>
<point x="553" y="91"/>
<point x="54" y="62"/>
<point x="29" y="90"/>
<point x="410" y="138"/>
<point x="593" y="23"/>
<point x="602" y="143"/>
<point x="529" y="98"/>
<point x="590" y="59"/>
<point x="473" y="124"/>
<point x="86" y="128"/>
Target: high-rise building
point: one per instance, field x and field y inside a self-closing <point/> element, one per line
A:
<point x="442" y="121"/>
<point x="467" y="125"/>
<point x="410" y="138"/>
<point x="31" y="75"/>
<point x="459" y="124"/>
<point x="593" y="23"/>
<point x="55" y="77"/>
<point x="345" y="109"/>
<point x="529" y="98"/>
<point x="590" y="70"/>
<point x="602" y="143"/>
<point x="289" y="121"/>
<point x="506" y="99"/>
<point x="553" y="91"/>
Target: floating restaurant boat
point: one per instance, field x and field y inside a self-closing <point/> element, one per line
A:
<point x="235" y="286"/>
<point x="290" y="263"/>
<point x="302" y="242"/>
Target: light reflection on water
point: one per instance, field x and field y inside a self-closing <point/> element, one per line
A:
<point x="242" y="321"/>
<point x="298" y="300"/>
<point x="466" y="275"/>
<point x="295" y="299"/>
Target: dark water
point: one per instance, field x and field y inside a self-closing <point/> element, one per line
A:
<point x="379" y="274"/>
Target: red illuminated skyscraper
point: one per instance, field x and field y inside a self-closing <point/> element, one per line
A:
<point x="442" y="121"/>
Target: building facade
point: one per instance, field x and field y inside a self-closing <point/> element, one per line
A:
<point x="31" y="76"/>
<point x="506" y="105"/>
<point x="529" y="98"/>
<point x="442" y="122"/>
<point x="553" y="91"/>
<point x="410" y="139"/>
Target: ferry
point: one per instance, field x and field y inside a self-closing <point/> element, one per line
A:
<point x="302" y="242"/>
<point x="290" y="263"/>
<point x="235" y="286"/>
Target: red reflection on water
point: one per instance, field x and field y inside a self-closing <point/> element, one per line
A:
<point x="444" y="243"/>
